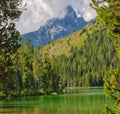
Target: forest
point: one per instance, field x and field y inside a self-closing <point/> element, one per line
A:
<point x="37" y="73"/>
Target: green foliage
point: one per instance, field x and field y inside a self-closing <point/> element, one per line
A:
<point x="50" y="78"/>
<point x="9" y="36"/>
<point x="108" y="15"/>
<point x="46" y="76"/>
<point x="36" y="73"/>
<point x="25" y="66"/>
<point x="9" y="42"/>
<point x="88" y="65"/>
<point x="55" y="75"/>
<point x="112" y="88"/>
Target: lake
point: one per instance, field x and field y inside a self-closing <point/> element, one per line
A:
<point x="83" y="101"/>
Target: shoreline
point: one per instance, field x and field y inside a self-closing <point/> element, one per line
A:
<point x="100" y="87"/>
<point x="67" y="89"/>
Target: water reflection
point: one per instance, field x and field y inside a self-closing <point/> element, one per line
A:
<point x="84" y="102"/>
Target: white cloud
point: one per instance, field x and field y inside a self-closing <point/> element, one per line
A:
<point x="39" y="11"/>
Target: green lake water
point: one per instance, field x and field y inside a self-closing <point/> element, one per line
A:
<point x="83" y="101"/>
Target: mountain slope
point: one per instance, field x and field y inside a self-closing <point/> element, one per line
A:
<point x="85" y="57"/>
<point x="56" y="28"/>
<point x="64" y="45"/>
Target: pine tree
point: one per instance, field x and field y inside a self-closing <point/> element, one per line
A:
<point x="55" y="75"/>
<point x="109" y="15"/>
<point x="25" y="63"/>
<point x="10" y="10"/>
<point x="46" y="76"/>
<point x="112" y="88"/>
<point x="9" y="36"/>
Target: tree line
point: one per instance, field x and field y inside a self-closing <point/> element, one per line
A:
<point x="36" y="73"/>
<point x="87" y="66"/>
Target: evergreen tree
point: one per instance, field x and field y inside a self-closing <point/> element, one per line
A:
<point x="109" y="15"/>
<point x="55" y="75"/>
<point x="46" y="75"/>
<point x="37" y="67"/>
<point x="10" y="10"/>
<point x="25" y="63"/>
<point x="112" y="88"/>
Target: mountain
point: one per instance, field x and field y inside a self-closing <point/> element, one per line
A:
<point x="65" y="44"/>
<point x="56" y="28"/>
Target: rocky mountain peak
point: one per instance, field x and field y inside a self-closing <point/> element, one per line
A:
<point x="70" y="11"/>
<point x="56" y="28"/>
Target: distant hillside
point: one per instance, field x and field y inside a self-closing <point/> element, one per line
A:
<point x="56" y="28"/>
<point x="85" y="57"/>
<point x="64" y="45"/>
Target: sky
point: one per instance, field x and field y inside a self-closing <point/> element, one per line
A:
<point x="39" y="11"/>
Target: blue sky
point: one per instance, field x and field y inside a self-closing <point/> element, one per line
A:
<point x="39" y="11"/>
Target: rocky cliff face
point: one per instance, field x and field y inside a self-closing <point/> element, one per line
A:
<point x="56" y="28"/>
